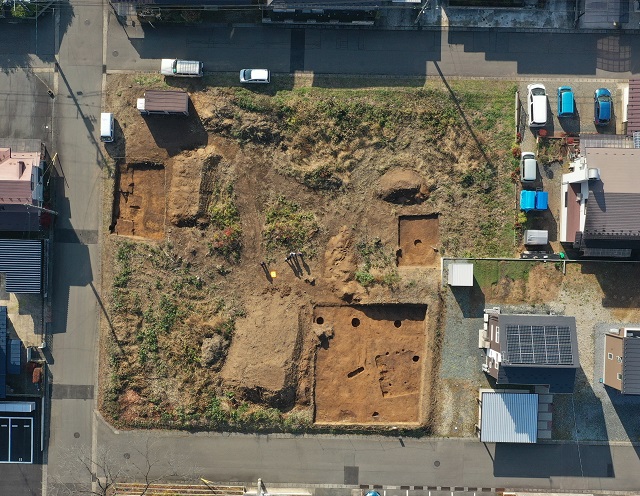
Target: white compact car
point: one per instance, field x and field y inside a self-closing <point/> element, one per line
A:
<point x="255" y="76"/>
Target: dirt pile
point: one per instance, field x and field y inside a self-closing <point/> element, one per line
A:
<point x="403" y="186"/>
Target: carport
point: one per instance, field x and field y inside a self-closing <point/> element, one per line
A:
<point x="16" y="431"/>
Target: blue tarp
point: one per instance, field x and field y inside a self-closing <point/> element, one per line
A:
<point x="542" y="200"/>
<point x="527" y="200"/>
<point x="534" y="200"/>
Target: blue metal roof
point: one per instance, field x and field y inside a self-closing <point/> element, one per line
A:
<point x="509" y="418"/>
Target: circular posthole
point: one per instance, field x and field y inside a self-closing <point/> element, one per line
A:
<point x="320" y="321"/>
<point x="436" y="463"/>
<point x="397" y="323"/>
<point x="415" y="358"/>
<point x="355" y="322"/>
<point x="76" y="435"/>
<point x="375" y="414"/>
<point x="417" y="242"/>
<point x="127" y="456"/>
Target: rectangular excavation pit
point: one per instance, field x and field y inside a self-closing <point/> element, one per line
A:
<point x="139" y="200"/>
<point x="419" y="240"/>
<point x="371" y="371"/>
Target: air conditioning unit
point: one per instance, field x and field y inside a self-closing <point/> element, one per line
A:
<point x="593" y="174"/>
<point x="579" y="197"/>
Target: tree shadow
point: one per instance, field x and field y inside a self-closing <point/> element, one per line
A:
<point x="37" y="38"/>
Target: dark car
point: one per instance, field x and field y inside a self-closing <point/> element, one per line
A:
<point x="602" y="107"/>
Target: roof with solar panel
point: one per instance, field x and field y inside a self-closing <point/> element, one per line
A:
<point x="539" y="349"/>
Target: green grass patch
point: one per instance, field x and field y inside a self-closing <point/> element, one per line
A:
<point x="225" y="222"/>
<point x="288" y="226"/>
<point x="490" y="272"/>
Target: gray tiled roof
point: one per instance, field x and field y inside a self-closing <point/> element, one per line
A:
<point x="631" y="366"/>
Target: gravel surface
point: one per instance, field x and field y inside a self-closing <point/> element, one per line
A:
<point x="592" y="413"/>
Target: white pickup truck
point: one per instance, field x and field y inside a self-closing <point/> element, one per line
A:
<point x="181" y="68"/>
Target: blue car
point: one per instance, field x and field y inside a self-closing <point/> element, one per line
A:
<point x="566" y="105"/>
<point x="602" y="104"/>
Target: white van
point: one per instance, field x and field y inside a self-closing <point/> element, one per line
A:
<point x="537" y="99"/>
<point x="181" y="68"/>
<point x="106" y="127"/>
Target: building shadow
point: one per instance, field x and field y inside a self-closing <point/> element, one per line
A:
<point x="542" y="461"/>
<point x="176" y="133"/>
<point x="619" y="282"/>
<point x="594" y="51"/>
<point x="471" y="300"/>
<point x="627" y="407"/>
<point x="71" y="261"/>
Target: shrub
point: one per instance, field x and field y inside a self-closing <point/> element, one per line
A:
<point x="288" y="226"/>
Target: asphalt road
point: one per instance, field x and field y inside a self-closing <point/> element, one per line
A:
<point x="400" y="53"/>
<point x="386" y="461"/>
<point x="78" y="85"/>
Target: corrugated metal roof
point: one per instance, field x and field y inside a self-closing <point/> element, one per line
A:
<point x="3" y="352"/>
<point x="633" y="106"/>
<point x="605" y="141"/>
<point x="460" y="274"/>
<point x="631" y="366"/>
<point x="21" y="261"/>
<point x="509" y="418"/>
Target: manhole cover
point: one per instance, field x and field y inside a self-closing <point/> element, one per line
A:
<point x="436" y="463"/>
<point x="115" y="53"/>
<point x="127" y="456"/>
<point x="76" y="435"/>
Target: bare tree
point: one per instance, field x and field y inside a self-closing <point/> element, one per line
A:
<point x="98" y="473"/>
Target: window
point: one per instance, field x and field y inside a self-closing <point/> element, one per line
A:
<point x="610" y="356"/>
<point x="497" y="334"/>
<point x="619" y="359"/>
<point x="619" y="376"/>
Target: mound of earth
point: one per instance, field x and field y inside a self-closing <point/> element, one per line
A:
<point x="403" y="186"/>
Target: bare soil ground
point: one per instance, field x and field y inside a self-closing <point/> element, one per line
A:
<point x="419" y="241"/>
<point x="371" y="369"/>
<point x="209" y="326"/>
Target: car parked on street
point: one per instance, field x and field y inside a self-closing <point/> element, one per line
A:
<point x="255" y="76"/>
<point x="566" y="102"/>
<point x="537" y="99"/>
<point x="528" y="167"/>
<point x="602" y="104"/>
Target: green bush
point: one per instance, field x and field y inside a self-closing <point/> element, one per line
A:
<point x="288" y="226"/>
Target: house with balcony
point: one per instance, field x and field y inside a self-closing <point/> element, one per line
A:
<point x="600" y="200"/>
<point x="530" y="350"/>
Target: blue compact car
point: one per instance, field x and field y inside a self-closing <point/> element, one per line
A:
<point x="602" y="104"/>
<point x="566" y="105"/>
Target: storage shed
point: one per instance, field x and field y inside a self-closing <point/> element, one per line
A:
<point x="535" y="237"/>
<point x="460" y="274"/>
<point x="508" y="417"/>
